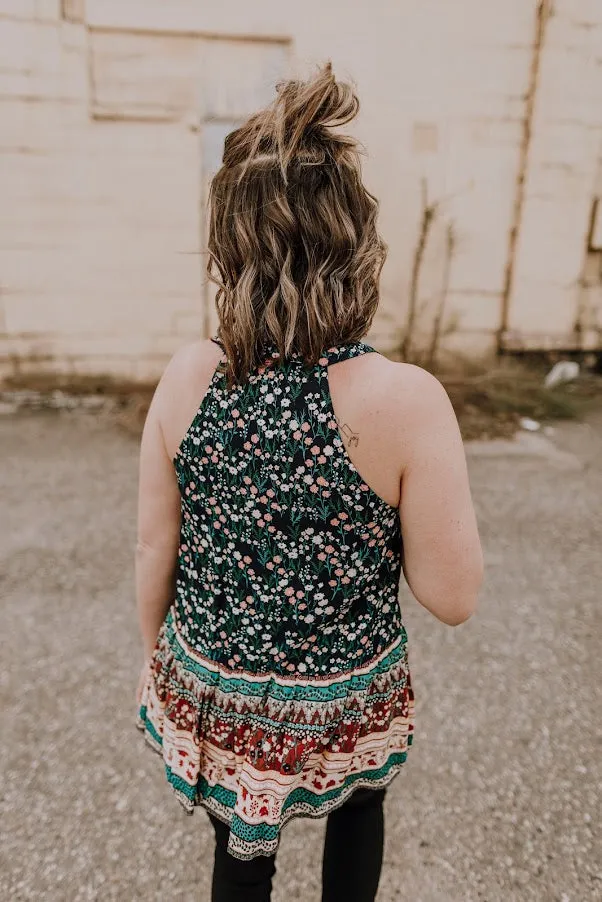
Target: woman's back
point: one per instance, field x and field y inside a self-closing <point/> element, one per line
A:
<point x="273" y="499"/>
<point x="365" y="397"/>
<point x="285" y="629"/>
<point x="278" y="525"/>
<point x="398" y="429"/>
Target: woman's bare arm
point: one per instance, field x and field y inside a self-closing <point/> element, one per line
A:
<point x="175" y="402"/>
<point x="443" y="561"/>
<point x="158" y="525"/>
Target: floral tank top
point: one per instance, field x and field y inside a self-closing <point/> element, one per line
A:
<point x="279" y="682"/>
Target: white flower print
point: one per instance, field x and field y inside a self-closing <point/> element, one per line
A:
<point x="278" y="582"/>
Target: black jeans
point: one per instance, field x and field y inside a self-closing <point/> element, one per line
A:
<point x="351" y="866"/>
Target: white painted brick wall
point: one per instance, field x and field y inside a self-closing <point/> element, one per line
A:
<point x="100" y="219"/>
<point x="144" y="76"/>
<point x="561" y="176"/>
<point x="48" y="10"/>
<point x="18" y="9"/>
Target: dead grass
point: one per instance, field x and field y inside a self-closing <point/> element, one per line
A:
<point x="489" y="403"/>
<point x="76" y="385"/>
<point x="128" y="401"/>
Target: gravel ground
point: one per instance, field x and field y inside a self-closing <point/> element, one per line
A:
<point x="500" y="798"/>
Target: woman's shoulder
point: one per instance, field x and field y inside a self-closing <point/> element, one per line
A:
<point x="406" y="385"/>
<point x="415" y="401"/>
<point x="182" y="387"/>
<point x="195" y="358"/>
<point x="415" y="382"/>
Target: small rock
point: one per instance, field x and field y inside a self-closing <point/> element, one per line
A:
<point x="529" y="425"/>
<point x="62" y="401"/>
<point x="563" y="371"/>
<point x="92" y="402"/>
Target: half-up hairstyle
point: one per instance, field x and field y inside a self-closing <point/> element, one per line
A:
<point x="293" y="243"/>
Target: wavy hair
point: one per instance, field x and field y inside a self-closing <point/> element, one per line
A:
<point x="293" y="242"/>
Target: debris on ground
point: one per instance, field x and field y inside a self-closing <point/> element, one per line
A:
<point x="563" y="371"/>
<point x="489" y="403"/>
<point x="529" y="425"/>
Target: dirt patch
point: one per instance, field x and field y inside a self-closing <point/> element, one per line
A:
<point x="488" y="403"/>
<point x="492" y="404"/>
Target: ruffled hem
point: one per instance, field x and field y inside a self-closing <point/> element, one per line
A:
<point x="245" y="850"/>
<point x="257" y="761"/>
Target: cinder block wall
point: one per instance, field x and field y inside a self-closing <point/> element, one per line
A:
<point x="561" y="180"/>
<point x="99" y="220"/>
<point x="111" y="121"/>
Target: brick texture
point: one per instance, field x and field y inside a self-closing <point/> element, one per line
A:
<point x="110" y="128"/>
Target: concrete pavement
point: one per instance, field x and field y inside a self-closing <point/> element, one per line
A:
<point x="500" y="798"/>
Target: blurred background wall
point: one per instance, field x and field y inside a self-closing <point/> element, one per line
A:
<point x="482" y="123"/>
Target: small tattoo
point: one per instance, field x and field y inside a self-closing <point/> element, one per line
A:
<point x="351" y="436"/>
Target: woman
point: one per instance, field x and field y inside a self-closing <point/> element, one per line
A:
<point x="281" y="463"/>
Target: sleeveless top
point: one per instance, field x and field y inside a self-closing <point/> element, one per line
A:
<point x="279" y="682"/>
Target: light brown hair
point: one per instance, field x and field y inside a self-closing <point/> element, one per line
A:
<point x="293" y="243"/>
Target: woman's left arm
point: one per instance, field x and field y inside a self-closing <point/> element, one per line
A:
<point x="158" y="535"/>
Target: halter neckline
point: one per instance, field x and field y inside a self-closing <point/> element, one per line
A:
<point x="334" y="351"/>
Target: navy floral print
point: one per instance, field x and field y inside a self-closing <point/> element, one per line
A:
<point x="285" y="615"/>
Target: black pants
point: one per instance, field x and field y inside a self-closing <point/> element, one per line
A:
<point x="351" y="866"/>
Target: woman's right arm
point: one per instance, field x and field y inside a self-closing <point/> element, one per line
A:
<point x="443" y="561"/>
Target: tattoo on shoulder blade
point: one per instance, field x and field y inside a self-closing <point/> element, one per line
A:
<point x="351" y="436"/>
